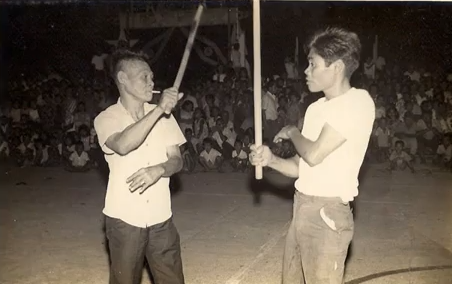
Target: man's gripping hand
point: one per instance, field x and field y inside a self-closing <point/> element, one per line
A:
<point x="169" y="99"/>
<point x="260" y="156"/>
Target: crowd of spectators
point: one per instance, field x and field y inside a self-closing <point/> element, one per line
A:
<point x="47" y="121"/>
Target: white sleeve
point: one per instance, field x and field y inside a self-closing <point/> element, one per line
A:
<point x="234" y="154"/>
<point x="354" y="116"/>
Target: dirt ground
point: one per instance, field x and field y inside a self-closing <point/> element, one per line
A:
<point x="51" y="228"/>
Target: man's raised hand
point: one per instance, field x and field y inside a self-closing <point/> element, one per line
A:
<point x="169" y="99"/>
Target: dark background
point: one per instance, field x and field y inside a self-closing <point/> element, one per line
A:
<point x="35" y="36"/>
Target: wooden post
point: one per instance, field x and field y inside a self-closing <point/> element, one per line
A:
<point x="257" y="80"/>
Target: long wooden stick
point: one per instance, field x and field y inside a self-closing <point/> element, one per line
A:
<point x="188" y="48"/>
<point x="257" y="80"/>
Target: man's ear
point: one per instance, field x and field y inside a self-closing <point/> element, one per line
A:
<point x="122" y="77"/>
<point x="338" y="66"/>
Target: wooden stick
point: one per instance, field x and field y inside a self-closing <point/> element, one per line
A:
<point x="257" y="80"/>
<point x="188" y="48"/>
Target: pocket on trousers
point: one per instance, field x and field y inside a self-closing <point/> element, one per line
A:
<point x="338" y="217"/>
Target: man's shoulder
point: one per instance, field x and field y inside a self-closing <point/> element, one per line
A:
<point x="112" y="111"/>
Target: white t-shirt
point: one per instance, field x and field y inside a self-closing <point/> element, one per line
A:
<point x="230" y="135"/>
<point x="414" y="76"/>
<point x="34" y="115"/>
<point x="270" y="106"/>
<point x="79" y="160"/>
<point x="219" y="77"/>
<point x="210" y="156"/>
<point x="380" y="63"/>
<point x="154" y="205"/>
<point x="242" y="155"/>
<point x="447" y="152"/>
<point x="98" y="61"/>
<point x="4" y="148"/>
<point x="352" y="115"/>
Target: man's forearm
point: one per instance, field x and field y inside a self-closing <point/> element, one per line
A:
<point x="303" y="146"/>
<point x="134" y="135"/>
<point x="172" y="166"/>
<point x="288" y="167"/>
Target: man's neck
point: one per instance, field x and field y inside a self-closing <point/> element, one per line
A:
<point x="337" y="89"/>
<point x="134" y="107"/>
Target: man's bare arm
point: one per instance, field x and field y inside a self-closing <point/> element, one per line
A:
<point x="314" y="152"/>
<point x="288" y="167"/>
<point x="174" y="163"/>
<point x="134" y="135"/>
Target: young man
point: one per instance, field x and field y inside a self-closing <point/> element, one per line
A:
<point x="330" y="149"/>
<point x="141" y="146"/>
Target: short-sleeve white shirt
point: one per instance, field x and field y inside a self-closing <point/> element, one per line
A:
<point x="352" y="115"/>
<point x="154" y="205"/>
<point x="210" y="156"/>
<point x="242" y="155"/>
<point x="79" y="160"/>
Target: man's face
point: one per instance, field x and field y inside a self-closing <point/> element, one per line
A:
<point x="137" y="79"/>
<point x="318" y="76"/>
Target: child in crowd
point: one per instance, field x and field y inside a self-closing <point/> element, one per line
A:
<point x="41" y="155"/>
<point x="239" y="160"/>
<point x="200" y="129"/>
<point x="54" y="153"/>
<point x="383" y="137"/>
<point x="4" y="148"/>
<point x="210" y="159"/>
<point x="444" y="153"/>
<point x="399" y="159"/>
<point x="79" y="160"/>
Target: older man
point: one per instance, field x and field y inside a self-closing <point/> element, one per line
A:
<point x="141" y="146"/>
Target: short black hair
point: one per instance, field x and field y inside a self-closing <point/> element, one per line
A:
<point x="335" y="43"/>
<point x="400" y="142"/>
<point x="120" y="57"/>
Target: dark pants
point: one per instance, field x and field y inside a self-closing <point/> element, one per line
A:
<point x="129" y="245"/>
<point x="317" y="241"/>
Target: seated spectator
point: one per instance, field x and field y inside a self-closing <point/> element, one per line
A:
<point x="427" y="136"/>
<point x="210" y="159"/>
<point x="28" y="158"/>
<point x="239" y="160"/>
<point x="383" y="136"/>
<point x="399" y="159"/>
<point x="85" y="138"/>
<point x="189" y="161"/>
<point x="54" y="153"/>
<point x="407" y="131"/>
<point x="444" y="153"/>
<point x="79" y="160"/>
<point x="33" y="112"/>
<point x="214" y="115"/>
<point x="200" y="129"/>
<point x="81" y="116"/>
<point x="15" y="113"/>
<point x="4" y="148"/>
<point x="5" y="129"/>
<point x="41" y="155"/>
<point x="68" y="147"/>
<point x="225" y="138"/>
<point x="186" y="116"/>
<point x="246" y="146"/>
